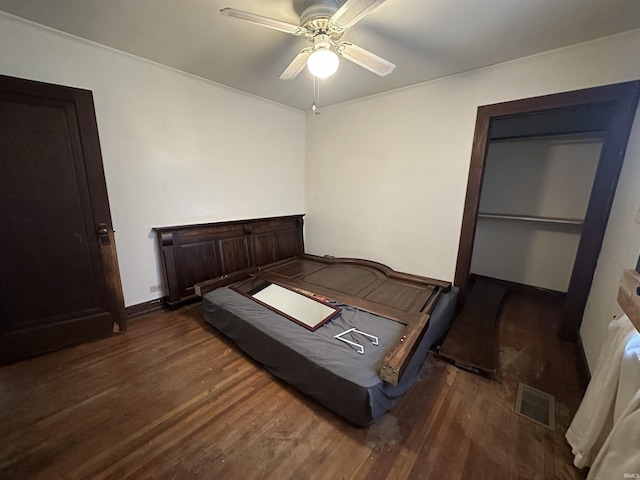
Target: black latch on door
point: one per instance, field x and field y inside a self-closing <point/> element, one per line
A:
<point x="103" y="233"/>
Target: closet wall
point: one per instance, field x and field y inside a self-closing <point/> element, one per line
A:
<point x="534" y="197"/>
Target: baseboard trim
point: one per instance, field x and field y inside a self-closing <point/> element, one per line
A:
<point x="520" y="287"/>
<point x="145" y="307"/>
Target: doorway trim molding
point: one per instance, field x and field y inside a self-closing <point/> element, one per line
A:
<point x="624" y="97"/>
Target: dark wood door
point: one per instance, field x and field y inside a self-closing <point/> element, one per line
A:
<point x="59" y="279"/>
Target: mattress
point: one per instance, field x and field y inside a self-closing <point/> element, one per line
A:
<point x="328" y="370"/>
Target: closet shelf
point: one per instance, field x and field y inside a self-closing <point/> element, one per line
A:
<point x="531" y="218"/>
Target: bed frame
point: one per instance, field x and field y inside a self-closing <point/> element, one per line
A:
<point x="201" y="258"/>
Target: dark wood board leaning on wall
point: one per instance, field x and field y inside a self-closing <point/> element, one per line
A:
<point x="224" y="251"/>
<point x="472" y="342"/>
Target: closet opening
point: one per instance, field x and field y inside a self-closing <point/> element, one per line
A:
<point x="539" y="172"/>
<point x="541" y="185"/>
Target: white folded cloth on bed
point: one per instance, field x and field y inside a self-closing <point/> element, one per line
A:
<point x="594" y="419"/>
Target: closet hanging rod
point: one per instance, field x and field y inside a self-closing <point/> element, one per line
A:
<point x="566" y="136"/>
<point x="531" y="218"/>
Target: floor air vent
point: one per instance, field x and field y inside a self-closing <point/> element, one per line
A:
<point x="536" y="405"/>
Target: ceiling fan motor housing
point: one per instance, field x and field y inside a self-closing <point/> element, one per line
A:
<point x="317" y="13"/>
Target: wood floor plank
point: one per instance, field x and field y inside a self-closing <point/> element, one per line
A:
<point x="230" y="389"/>
<point x="198" y="433"/>
<point x="173" y="398"/>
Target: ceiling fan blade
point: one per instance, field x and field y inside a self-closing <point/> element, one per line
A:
<point x="352" y="11"/>
<point x="365" y="59"/>
<point x="297" y="65"/>
<point x="264" y="21"/>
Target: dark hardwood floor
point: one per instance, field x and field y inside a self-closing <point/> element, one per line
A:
<point x="173" y="398"/>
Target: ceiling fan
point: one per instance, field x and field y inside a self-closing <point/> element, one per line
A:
<point x="323" y="22"/>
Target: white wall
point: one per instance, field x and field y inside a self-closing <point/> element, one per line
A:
<point x="543" y="177"/>
<point x="386" y="176"/>
<point x="176" y="149"/>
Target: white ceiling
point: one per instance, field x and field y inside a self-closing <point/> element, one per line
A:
<point x="426" y="39"/>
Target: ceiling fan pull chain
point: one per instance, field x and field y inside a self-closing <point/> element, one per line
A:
<point x="316" y="95"/>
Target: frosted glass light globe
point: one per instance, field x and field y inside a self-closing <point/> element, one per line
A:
<point x="323" y="63"/>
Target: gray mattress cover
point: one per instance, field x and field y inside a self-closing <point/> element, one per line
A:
<point x="316" y="363"/>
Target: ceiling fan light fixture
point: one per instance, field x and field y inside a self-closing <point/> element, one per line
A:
<point x="323" y="22"/>
<point x="323" y="63"/>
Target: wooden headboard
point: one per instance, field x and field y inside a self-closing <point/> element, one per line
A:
<point x="224" y="250"/>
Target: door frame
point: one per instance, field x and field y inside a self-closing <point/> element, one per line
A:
<point x="624" y="97"/>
